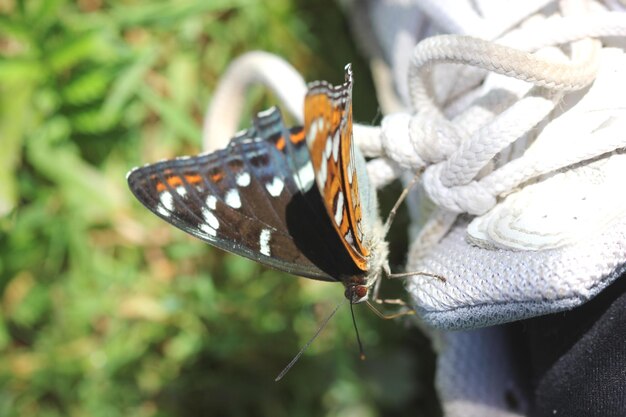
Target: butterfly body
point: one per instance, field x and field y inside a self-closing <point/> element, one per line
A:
<point x="295" y="199"/>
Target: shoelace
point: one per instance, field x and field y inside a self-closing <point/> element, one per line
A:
<point x="458" y="153"/>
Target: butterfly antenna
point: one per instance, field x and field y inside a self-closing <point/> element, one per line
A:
<point x="306" y="346"/>
<point x="405" y="192"/>
<point x="356" y="329"/>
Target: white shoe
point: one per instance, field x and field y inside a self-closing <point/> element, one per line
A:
<point x="523" y="173"/>
<point x="523" y="146"/>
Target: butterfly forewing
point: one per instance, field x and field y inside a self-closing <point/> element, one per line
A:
<point x="254" y="198"/>
<point x="328" y="121"/>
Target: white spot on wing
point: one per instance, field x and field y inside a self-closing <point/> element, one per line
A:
<point x="350" y="169"/>
<point x="266" y="112"/>
<point x="321" y="175"/>
<point x="167" y="200"/>
<point x="232" y="198"/>
<point x="312" y="133"/>
<point x="339" y="208"/>
<point x="166" y="203"/>
<point x="329" y="148"/>
<point x="305" y="176"/>
<point x="275" y="187"/>
<point x="349" y="238"/>
<point x="210" y="219"/>
<point x="243" y="179"/>
<point x="211" y="222"/>
<point x="211" y="202"/>
<point x="336" y="146"/>
<point x="264" y="242"/>
<point x="181" y="190"/>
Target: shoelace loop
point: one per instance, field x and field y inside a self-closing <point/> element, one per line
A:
<point x="471" y="197"/>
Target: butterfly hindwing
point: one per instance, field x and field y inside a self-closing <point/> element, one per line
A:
<point x="254" y="198"/>
<point x="328" y="121"/>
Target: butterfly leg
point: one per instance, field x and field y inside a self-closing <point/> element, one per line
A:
<point x="389" y="275"/>
<point x="398" y="302"/>
<point x="382" y="315"/>
<point x="400" y="200"/>
<point x="412" y="274"/>
<point x="390" y="218"/>
<point x="375" y="293"/>
<point x="395" y="301"/>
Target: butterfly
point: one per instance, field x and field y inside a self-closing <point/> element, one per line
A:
<point x="295" y="199"/>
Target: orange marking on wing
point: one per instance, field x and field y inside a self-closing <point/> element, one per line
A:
<point x="280" y="143"/>
<point x="174" y="181"/>
<point x="217" y="177"/>
<point x="193" y="178"/>
<point x="298" y="137"/>
<point x="336" y="114"/>
<point x="160" y="187"/>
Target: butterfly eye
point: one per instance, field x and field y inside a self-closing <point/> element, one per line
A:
<point x="356" y="293"/>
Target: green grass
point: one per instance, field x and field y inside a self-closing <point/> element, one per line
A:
<point x="104" y="309"/>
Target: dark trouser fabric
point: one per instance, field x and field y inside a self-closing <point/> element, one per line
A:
<point x="578" y="358"/>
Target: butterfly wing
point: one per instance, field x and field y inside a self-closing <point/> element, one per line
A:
<point x="328" y="123"/>
<point x="254" y="198"/>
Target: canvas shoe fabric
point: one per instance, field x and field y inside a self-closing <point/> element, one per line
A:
<point x="516" y="111"/>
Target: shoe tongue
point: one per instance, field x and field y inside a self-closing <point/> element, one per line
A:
<point x="559" y="211"/>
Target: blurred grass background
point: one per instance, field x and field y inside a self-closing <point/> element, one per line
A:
<point x="107" y="311"/>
